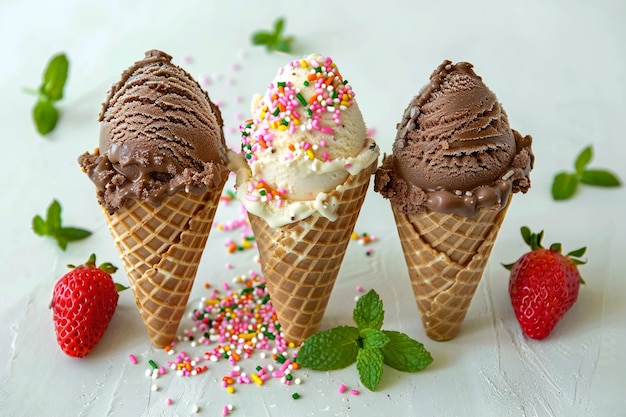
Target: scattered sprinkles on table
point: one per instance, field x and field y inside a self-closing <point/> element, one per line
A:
<point x="296" y="107"/>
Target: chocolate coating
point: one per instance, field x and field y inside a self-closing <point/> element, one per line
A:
<point x="454" y="150"/>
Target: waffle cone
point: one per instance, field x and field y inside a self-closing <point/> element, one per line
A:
<point x="161" y="248"/>
<point x="301" y="260"/>
<point x="446" y="255"/>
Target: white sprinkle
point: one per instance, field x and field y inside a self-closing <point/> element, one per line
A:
<point x="154" y="387"/>
<point x="508" y="175"/>
<point x="448" y="67"/>
<point x="458" y="192"/>
<point x="195" y="409"/>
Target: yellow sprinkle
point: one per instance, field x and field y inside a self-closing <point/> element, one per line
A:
<point x="246" y="244"/>
<point x="246" y="336"/>
<point x="292" y="345"/>
<point x="211" y="301"/>
<point x="310" y="154"/>
<point x="220" y="227"/>
<point x="257" y="379"/>
<point x="303" y="63"/>
<point x="354" y="236"/>
<point x="230" y="389"/>
<point x="345" y="103"/>
<point x="282" y="127"/>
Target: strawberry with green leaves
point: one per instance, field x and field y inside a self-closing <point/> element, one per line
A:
<point x="83" y="303"/>
<point x="543" y="285"/>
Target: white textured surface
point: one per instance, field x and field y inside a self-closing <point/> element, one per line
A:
<point x="557" y="67"/>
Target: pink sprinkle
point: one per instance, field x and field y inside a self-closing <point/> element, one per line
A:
<point x="371" y="132"/>
<point x="354" y="392"/>
<point x="133" y="359"/>
<point x="347" y="166"/>
<point x="168" y="401"/>
<point x="162" y="370"/>
<point x="359" y="288"/>
<point x="187" y="59"/>
<point x="226" y="286"/>
<point x="342" y="388"/>
<point x="205" y="80"/>
<point x="235" y="66"/>
<point x="229" y="265"/>
<point x="325" y="129"/>
<point x="225" y="410"/>
<point x="238" y="99"/>
<point x="278" y="374"/>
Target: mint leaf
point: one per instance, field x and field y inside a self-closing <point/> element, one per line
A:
<point x="583" y="160"/>
<point x="39" y="225"/>
<point x="369" y="363"/>
<point x="55" y="77"/>
<point x="45" y="116"/>
<point x="72" y="234"/>
<point x="564" y="186"/>
<point x="600" y="177"/>
<point x="273" y="41"/>
<point x="52" y="226"/>
<point x="374" y="338"/>
<point x="262" y="38"/>
<point x="405" y="354"/>
<point x="330" y="349"/>
<point x="369" y="313"/>
<point x="53" y="216"/>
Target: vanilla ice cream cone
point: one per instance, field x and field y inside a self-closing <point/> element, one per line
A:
<point x="446" y="255"/>
<point x="161" y="248"/>
<point x="301" y="260"/>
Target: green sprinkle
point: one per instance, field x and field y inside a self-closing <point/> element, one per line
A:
<point x="284" y="122"/>
<point x="262" y="192"/>
<point x="269" y="335"/>
<point x="276" y="112"/>
<point x="318" y="69"/>
<point x="295" y="395"/>
<point x="306" y="83"/>
<point x="249" y="238"/>
<point x="281" y="84"/>
<point x="258" y="368"/>
<point x="265" y="299"/>
<point x="288" y="377"/>
<point x="248" y="156"/>
<point x="345" y="82"/>
<point x="309" y="111"/>
<point x="152" y="364"/>
<point x="301" y="99"/>
<point x="280" y="358"/>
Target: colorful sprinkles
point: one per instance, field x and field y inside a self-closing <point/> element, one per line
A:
<point x="289" y="108"/>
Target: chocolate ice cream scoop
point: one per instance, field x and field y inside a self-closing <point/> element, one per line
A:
<point x="454" y="150"/>
<point x="160" y="133"/>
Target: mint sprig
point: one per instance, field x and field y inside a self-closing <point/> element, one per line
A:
<point x="45" y="114"/>
<point x="565" y="184"/>
<point x="274" y="40"/>
<point x="367" y="345"/>
<point x="53" y="226"/>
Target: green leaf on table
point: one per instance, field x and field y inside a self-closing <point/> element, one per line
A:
<point x="369" y="313"/>
<point x="55" y="77"/>
<point x="53" y="226"/>
<point x="369" y="364"/>
<point x="330" y="349"/>
<point x="45" y="116"/>
<point x="583" y="160"/>
<point x="564" y="186"/>
<point x="600" y="178"/>
<point x="405" y="354"/>
<point x="273" y="40"/>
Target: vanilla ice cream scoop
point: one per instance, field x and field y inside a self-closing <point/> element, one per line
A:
<point x="305" y="137"/>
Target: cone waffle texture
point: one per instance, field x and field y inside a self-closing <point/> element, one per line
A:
<point x="161" y="248"/>
<point x="301" y="260"/>
<point x="446" y="255"/>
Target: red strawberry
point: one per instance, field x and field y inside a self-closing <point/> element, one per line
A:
<point x="543" y="285"/>
<point x="83" y="303"/>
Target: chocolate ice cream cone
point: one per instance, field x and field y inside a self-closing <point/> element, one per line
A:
<point x="161" y="248"/>
<point x="446" y="255"/>
<point x="301" y="260"/>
